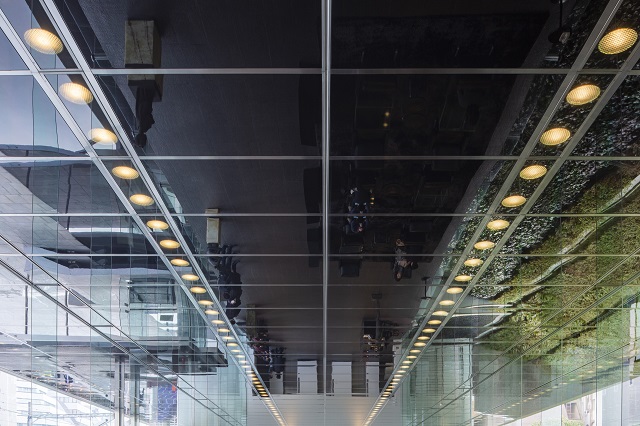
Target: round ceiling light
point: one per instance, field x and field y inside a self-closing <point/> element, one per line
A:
<point x="440" y="313"/>
<point x="617" y="41"/>
<point x="429" y="330"/>
<point x="169" y="244"/>
<point x="141" y="200"/>
<point x="463" y="278"/>
<point x="423" y="337"/>
<point x="454" y="290"/>
<point x="555" y="136"/>
<point x="534" y="171"/>
<point x="411" y="357"/>
<point x="102" y="136"/>
<point x="514" y="201"/>
<point x="179" y="262"/>
<point x="157" y="224"/>
<point x="484" y="245"/>
<point x="583" y="95"/>
<point x="235" y="344"/>
<point x="75" y="93"/>
<point x="205" y="302"/>
<point x="473" y="262"/>
<point x="212" y="312"/>
<point x="190" y="277"/>
<point x="434" y="322"/>
<point x="226" y="330"/>
<point x="124" y="172"/>
<point x="498" y="225"/>
<point x="447" y="302"/>
<point x="43" y="41"/>
<point x="198" y="290"/>
<point x="415" y="351"/>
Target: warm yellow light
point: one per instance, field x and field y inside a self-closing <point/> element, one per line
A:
<point x="440" y="313"/>
<point x="514" y="201"/>
<point x="411" y="357"/>
<point x="124" y="172"/>
<point x="212" y="312"/>
<point x="533" y="172"/>
<point x="473" y="262"/>
<point x="43" y="41"/>
<point x="415" y="351"/>
<point x="617" y="41"/>
<point x="230" y="338"/>
<point x="555" y="136"/>
<point x="102" y="136"/>
<point x="498" y="225"/>
<point x="157" y="224"/>
<point x="454" y="290"/>
<point x="463" y="278"/>
<point x="226" y="330"/>
<point x="423" y="337"/>
<point x="484" y="245"/>
<point x="205" y="302"/>
<point x="407" y="362"/>
<point x="233" y="344"/>
<point x="141" y="200"/>
<point x="75" y="93"/>
<point x="190" y="277"/>
<point x="198" y="290"/>
<point x="447" y="302"/>
<point x="179" y="262"/>
<point x="584" y="94"/>
<point x="434" y="322"/>
<point x="169" y="244"/>
<point x="429" y="330"/>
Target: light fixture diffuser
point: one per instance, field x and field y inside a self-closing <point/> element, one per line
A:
<point x="440" y="313"/>
<point x="463" y="278"/>
<point x="555" y="136"/>
<point x="179" y="262"/>
<point x="617" y="41"/>
<point x="498" y="225"/>
<point x="141" y="200"/>
<point x="198" y="290"/>
<point x="583" y="95"/>
<point x="434" y="322"/>
<point x="484" y="245"/>
<point x="429" y="330"/>
<point x="446" y="302"/>
<point x="473" y="262"/>
<point x="169" y="244"/>
<point x="455" y="290"/>
<point x="190" y="277"/>
<point x="124" y="172"/>
<point x="205" y="302"/>
<point x="43" y="41"/>
<point x="534" y="171"/>
<point x="75" y="93"/>
<point x="157" y="224"/>
<point x="514" y="201"/>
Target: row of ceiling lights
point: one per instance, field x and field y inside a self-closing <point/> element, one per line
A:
<point x="46" y="42"/>
<point x="616" y="41"/>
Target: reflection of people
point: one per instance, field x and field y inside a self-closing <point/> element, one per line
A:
<point x="402" y="262"/>
<point x="359" y="205"/>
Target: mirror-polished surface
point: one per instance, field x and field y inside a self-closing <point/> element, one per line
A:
<point x="319" y="213"/>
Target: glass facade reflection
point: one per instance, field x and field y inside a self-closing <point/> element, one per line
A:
<point x="319" y="213"/>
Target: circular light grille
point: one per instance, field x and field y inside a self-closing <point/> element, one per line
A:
<point x="618" y="41"/>
<point x="555" y="136"/>
<point x="76" y="93"/>
<point x="43" y="41"/>
<point x="533" y="172"/>
<point x="514" y="201"/>
<point x="584" y="94"/>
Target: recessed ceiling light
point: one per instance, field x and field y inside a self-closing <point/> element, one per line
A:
<point x="411" y="357"/>
<point x="198" y="290"/>
<point x="157" y="224"/>
<point x="434" y="322"/>
<point x="533" y="172"/>
<point x="555" y="136"/>
<point x="43" y="41"/>
<point x="102" y="136"/>
<point x="584" y="94"/>
<point x="423" y="337"/>
<point x="234" y="344"/>
<point x="190" y="277"/>
<point x="407" y="362"/>
<point x="75" y="93"/>
<point x="463" y="278"/>
<point x="124" y="172"/>
<point x="226" y="330"/>
<point x="498" y="225"/>
<point x="230" y="338"/>
<point x="454" y="290"/>
<point x="213" y="312"/>
<point x="473" y="262"/>
<point x="419" y="344"/>
<point x="205" y="302"/>
<point x="169" y="244"/>
<point x="141" y="200"/>
<point x="179" y="262"/>
<point x="617" y="41"/>
<point x="484" y="245"/>
<point x="415" y="351"/>
<point x="514" y="201"/>
<point x="447" y="302"/>
<point x="429" y="330"/>
<point x="441" y="313"/>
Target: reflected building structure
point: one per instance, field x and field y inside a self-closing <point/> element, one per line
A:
<point x="319" y="213"/>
